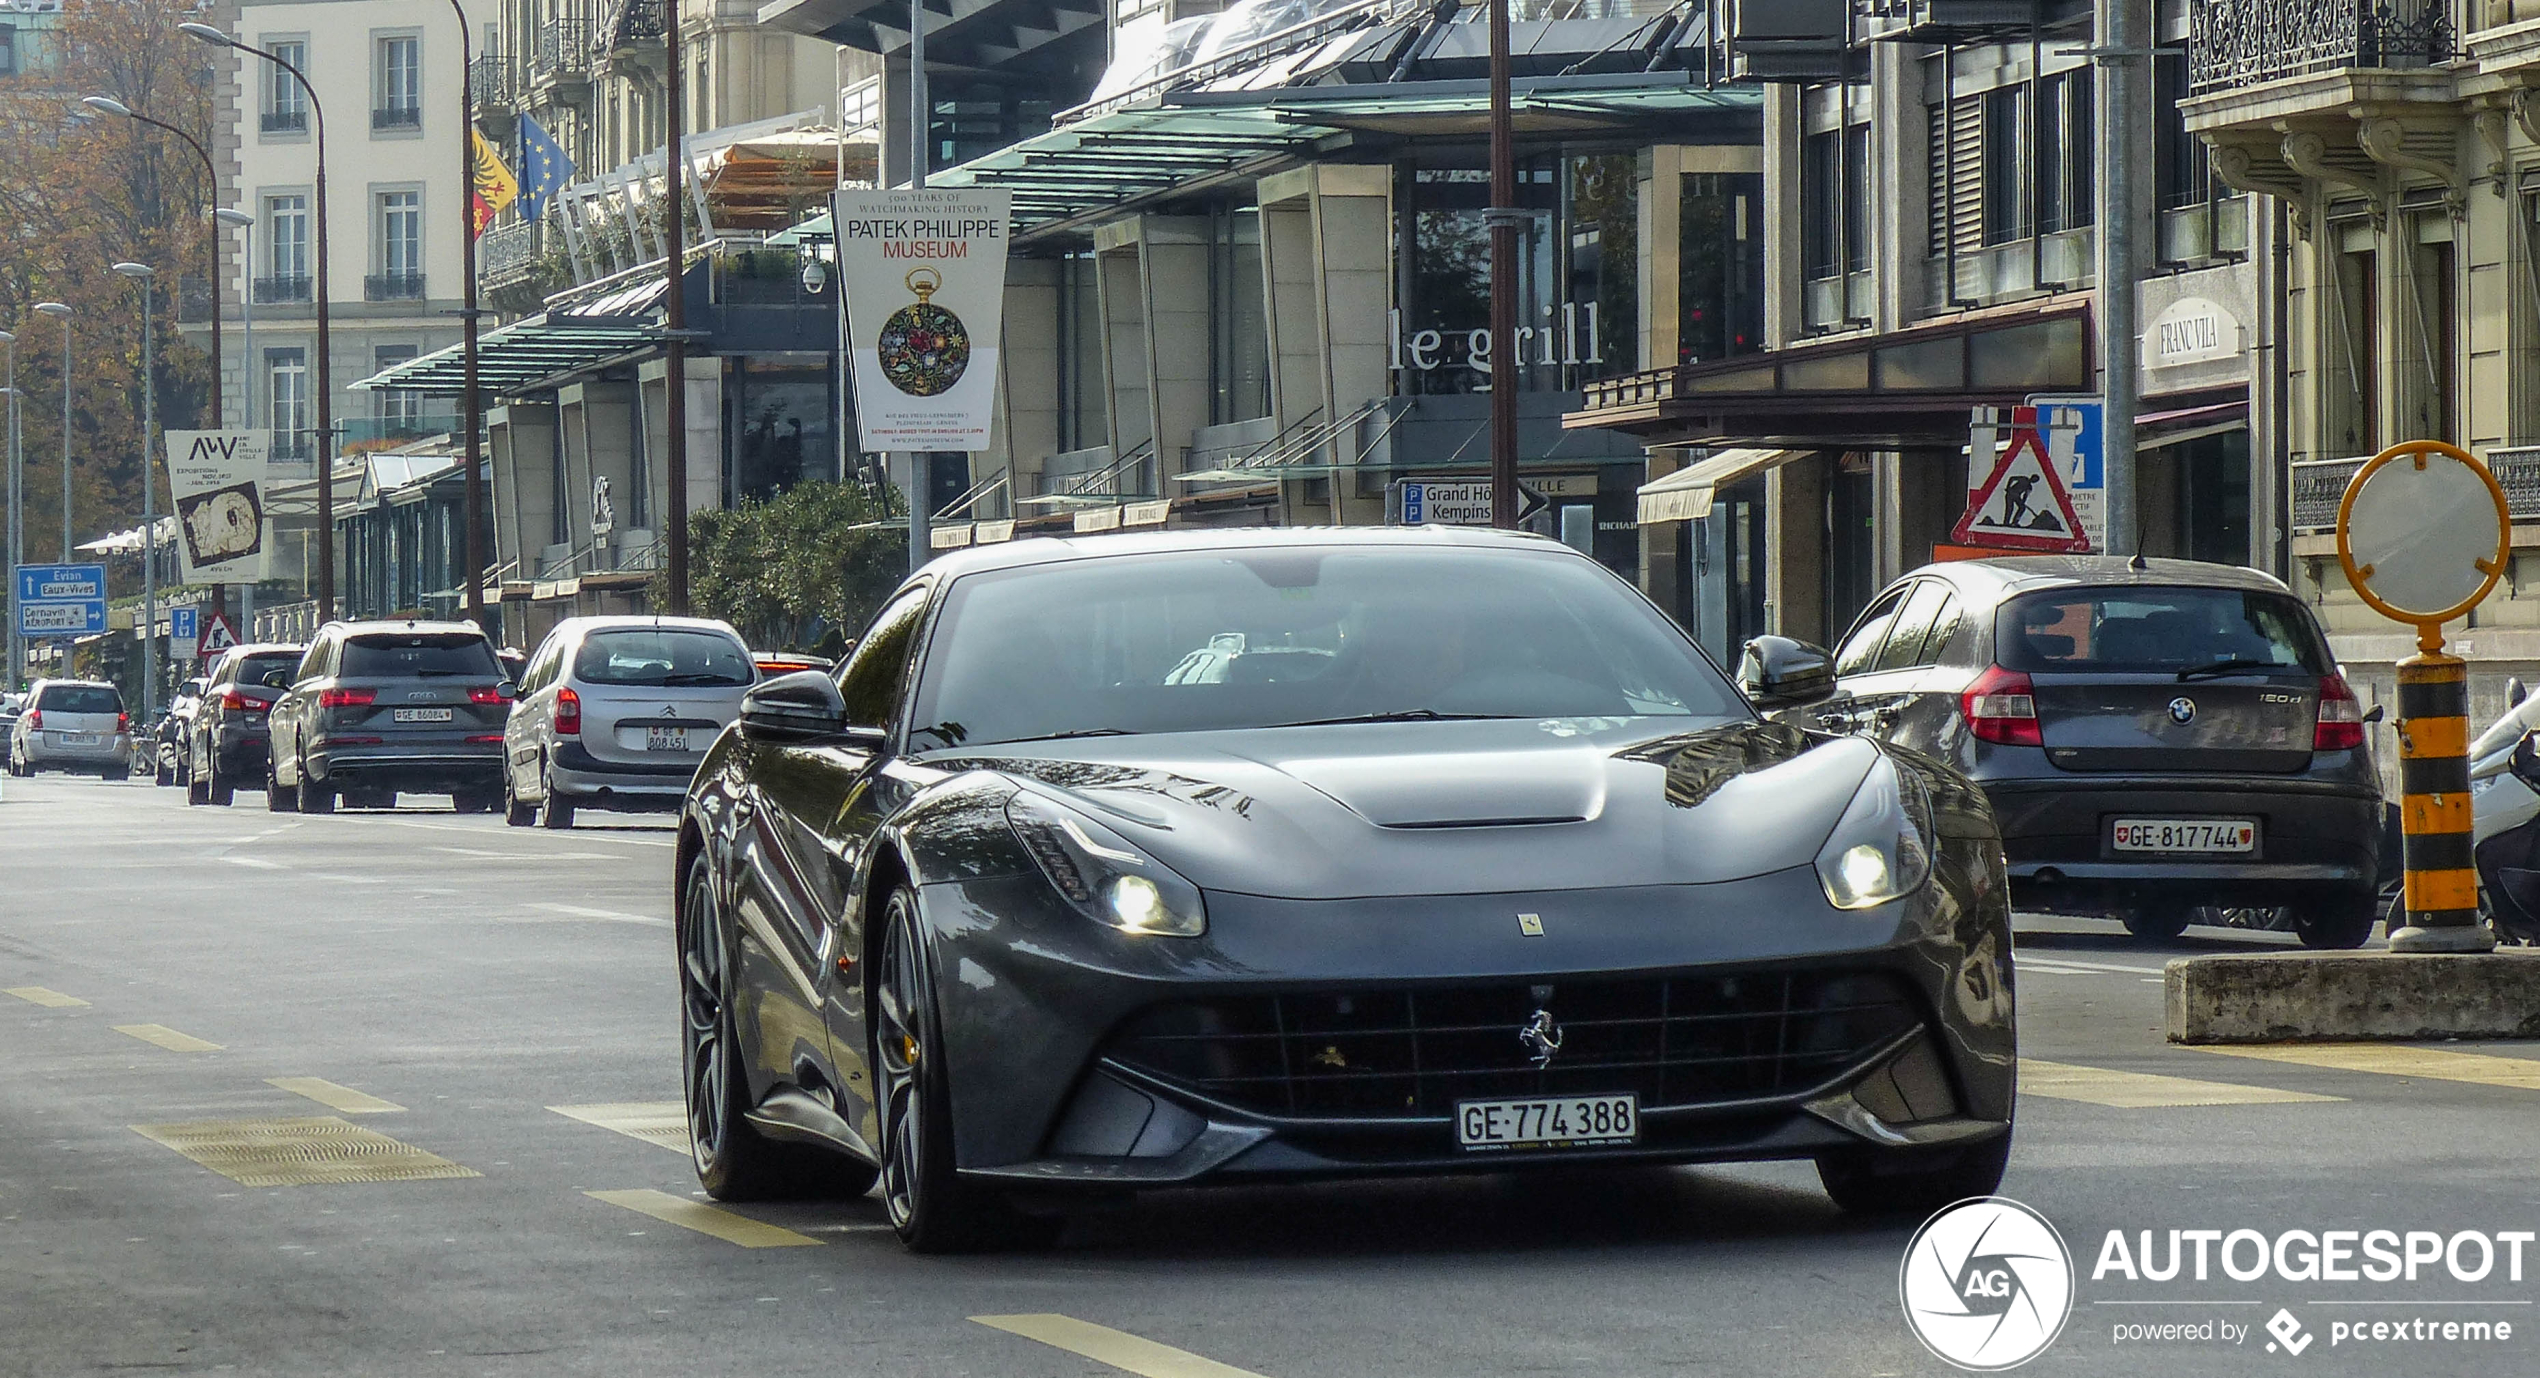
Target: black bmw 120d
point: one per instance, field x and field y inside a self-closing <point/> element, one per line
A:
<point x="1143" y="861"/>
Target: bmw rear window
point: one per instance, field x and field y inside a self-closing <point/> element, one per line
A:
<point x="2152" y="630"/>
<point x="426" y="654"/>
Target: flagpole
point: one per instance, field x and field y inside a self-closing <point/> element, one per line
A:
<point x="471" y="404"/>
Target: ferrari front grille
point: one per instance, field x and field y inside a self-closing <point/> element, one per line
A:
<point x="1415" y="1051"/>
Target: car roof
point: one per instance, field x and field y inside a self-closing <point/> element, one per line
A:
<point x="394" y="625"/>
<point x="1999" y="578"/>
<point x="1047" y="550"/>
<point x="264" y="648"/>
<point x="74" y="684"/>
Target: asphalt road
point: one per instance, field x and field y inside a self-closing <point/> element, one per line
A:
<point x="165" y="966"/>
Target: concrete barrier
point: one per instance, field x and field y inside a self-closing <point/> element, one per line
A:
<point x="2296" y="997"/>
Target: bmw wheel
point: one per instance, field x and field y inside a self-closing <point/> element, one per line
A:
<point x="933" y="1210"/>
<point x="734" y="1161"/>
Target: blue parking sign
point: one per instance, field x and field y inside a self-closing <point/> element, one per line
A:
<point x="182" y="625"/>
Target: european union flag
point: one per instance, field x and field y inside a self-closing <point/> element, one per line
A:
<point x="544" y="168"/>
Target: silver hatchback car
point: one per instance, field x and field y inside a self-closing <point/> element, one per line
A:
<point x="72" y="725"/>
<point x="616" y="713"/>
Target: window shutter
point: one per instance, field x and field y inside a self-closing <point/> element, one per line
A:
<point x="1957" y="175"/>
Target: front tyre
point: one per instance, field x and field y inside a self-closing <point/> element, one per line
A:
<point x="734" y="1161"/>
<point x="1911" y="1183"/>
<point x="2159" y="923"/>
<point x="2339" y="922"/>
<point x="934" y="1211"/>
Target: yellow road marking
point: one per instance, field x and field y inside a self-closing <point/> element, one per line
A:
<point x="2143" y="1090"/>
<point x="2398" y="1060"/>
<point x="167" y="1038"/>
<point x="663" y="1124"/>
<point x="49" y="999"/>
<point x="317" y="1150"/>
<point x="705" y="1219"/>
<point x="342" y="1099"/>
<point x="1117" y="1348"/>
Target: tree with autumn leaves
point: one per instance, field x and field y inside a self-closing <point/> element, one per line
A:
<point x="79" y="193"/>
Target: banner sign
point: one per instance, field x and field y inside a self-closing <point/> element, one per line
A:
<point x="924" y="273"/>
<point x="217" y="479"/>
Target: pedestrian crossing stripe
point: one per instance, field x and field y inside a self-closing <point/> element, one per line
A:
<point x="1117" y="1348"/>
<point x="2145" y="1090"/>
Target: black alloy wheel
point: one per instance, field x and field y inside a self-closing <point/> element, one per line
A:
<point x="314" y="796"/>
<point x="1911" y="1183"/>
<point x="934" y="1211"/>
<point x="734" y="1161"/>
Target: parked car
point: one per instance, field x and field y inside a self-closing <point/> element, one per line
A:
<point x="2162" y="740"/>
<point x="167" y="735"/>
<point x="380" y="708"/>
<point x="74" y="726"/>
<point x="616" y="712"/>
<point x="1512" y="880"/>
<point x="227" y="743"/>
<point x="10" y="706"/>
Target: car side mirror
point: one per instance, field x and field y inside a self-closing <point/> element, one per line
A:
<point x="1779" y="672"/>
<point x="793" y="708"/>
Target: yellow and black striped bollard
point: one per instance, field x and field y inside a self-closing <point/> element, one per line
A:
<point x="2434" y="812"/>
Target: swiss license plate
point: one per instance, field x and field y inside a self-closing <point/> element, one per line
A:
<point x="1490" y="1126"/>
<point x="421" y="715"/>
<point x="2213" y="836"/>
<point x="665" y="739"/>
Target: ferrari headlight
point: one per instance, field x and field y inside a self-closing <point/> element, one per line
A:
<point x="1105" y="876"/>
<point x="1882" y="848"/>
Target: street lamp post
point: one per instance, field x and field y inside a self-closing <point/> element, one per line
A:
<point x="109" y="105"/>
<point x="675" y="314"/>
<point x="147" y="277"/>
<point x="471" y="404"/>
<point x="325" y="370"/>
<point x="17" y="512"/>
<point x="238" y="219"/>
<point x="1503" y="281"/>
<point x="62" y="313"/>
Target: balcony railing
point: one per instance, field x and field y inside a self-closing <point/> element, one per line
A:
<point x="393" y="287"/>
<point x="283" y="122"/>
<point x="397" y="117"/>
<point x="274" y="291"/>
<point x="2235" y="43"/>
<point x="563" y="51"/>
<point x="507" y="250"/>
<point x="489" y="79"/>
<point x="2318" y="484"/>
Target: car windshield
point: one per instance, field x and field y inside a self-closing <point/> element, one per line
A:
<point x="2155" y="630"/>
<point x="659" y="656"/>
<point x="254" y="668"/>
<point x="1214" y="640"/>
<point x="80" y="698"/>
<point x="397" y="655"/>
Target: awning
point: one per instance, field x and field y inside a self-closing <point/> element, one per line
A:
<point x="2152" y="430"/>
<point x="509" y="360"/>
<point x="1685" y="495"/>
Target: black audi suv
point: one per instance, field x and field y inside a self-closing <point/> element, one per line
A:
<point x="379" y="708"/>
<point x="1142" y="861"/>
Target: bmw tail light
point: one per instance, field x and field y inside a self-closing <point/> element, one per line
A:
<point x="2001" y="707"/>
<point x="347" y="698"/>
<point x="2341" y="719"/>
<point x="568" y="713"/>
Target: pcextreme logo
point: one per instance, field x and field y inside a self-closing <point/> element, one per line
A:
<point x="1987" y="1284"/>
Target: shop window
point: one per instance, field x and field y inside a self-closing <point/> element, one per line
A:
<point x="1446" y="312"/>
<point x="1084" y="414"/>
<point x="777" y="428"/>
<point x="1238" y="325"/>
<point x="1720" y="266"/>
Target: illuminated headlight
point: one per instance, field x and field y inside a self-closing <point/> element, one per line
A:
<point x="1104" y="875"/>
<point x="1881" y="850"/>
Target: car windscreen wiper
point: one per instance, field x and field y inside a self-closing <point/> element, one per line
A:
<point x="1060" y="736"/>
<point x="694" y="677"/>
<point x="1405" y="715"/>
<point x="2230" y="667"/>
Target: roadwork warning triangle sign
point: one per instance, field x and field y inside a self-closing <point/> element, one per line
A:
<point x="217" y="637"/>
<point x="2023" y="506"/>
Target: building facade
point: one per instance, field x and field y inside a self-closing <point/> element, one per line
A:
<point x="2401" y="143"/>
<point x="1929" y="251"/>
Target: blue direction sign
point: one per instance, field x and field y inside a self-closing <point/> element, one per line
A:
<point x="61" y="600"/>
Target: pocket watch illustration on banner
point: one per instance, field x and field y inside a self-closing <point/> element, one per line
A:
<point x="924" y="347"/>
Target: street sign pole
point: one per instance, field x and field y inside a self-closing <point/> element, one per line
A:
<point x="2413" y="538"/>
